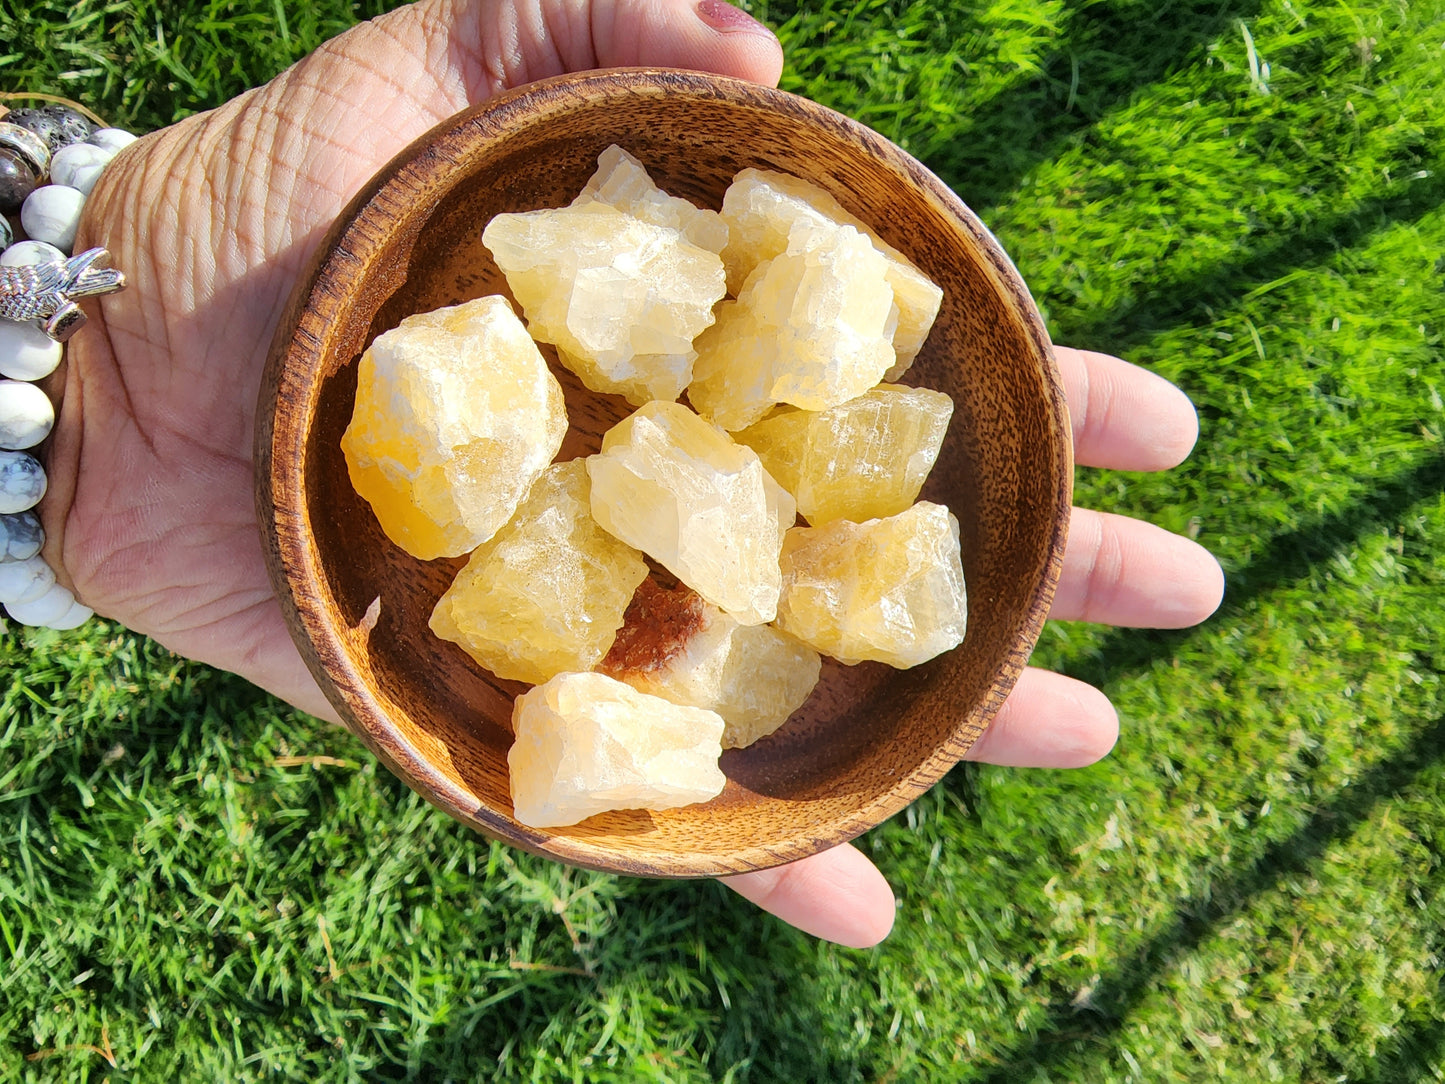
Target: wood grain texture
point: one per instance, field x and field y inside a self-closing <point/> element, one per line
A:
<point x="870" y="739"/>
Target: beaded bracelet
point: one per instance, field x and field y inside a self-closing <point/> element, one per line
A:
<point x="50" y="157"/>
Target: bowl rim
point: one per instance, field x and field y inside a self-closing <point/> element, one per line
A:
<point x="372" y="219"/>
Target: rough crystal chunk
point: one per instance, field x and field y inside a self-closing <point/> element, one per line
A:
<point x="621" y="181"/>
<point x="865" y="459"/>
<point x="455" y="414"/>
<point x="701" y="505"/>
<point x="760" y="209"/>
<point x="548" y="592"/>
<point x="622" y="299"/>
<point x="587" y="744"/>
<point x="733" y="384"/>
<point x="890" y="590"/>
<point x="675" y="645"/>
<point x="811" y="327"/>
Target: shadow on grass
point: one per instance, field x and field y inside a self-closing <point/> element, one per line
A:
<point x="1118" y="994"/>
<point x="1288" y="556"/>
<point x="1178" y="299"/>
<point x="1416" y="1054"/>
<point x="1109" y="52"/>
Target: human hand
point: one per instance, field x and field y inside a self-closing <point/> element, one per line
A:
<point x="1117" y="571"/>
<point x="150" y="509"/>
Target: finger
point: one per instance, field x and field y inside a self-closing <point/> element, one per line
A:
<point x="488" y="46"/>
<point x="701" y="35"/>
<point x="837" y="895"/>
<point x="1125" y="417"/>
<point x="1122" y="571"/>
<point x="1049" y="721"/>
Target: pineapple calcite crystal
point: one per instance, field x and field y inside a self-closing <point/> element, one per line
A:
<point x="761" y="208"/>
<point x="890" y="590"/>
<point x="548" y="592"/>
<point x="621" y="298"/>
<point x="455" y="414"/>
<point x="588" y="744"/>
<point x="675" y="645"/>
<point x="811" y="327"/>
<point x="621" y="181"/>
<point x="699" y="504"/>
<point x="865" y="459"/>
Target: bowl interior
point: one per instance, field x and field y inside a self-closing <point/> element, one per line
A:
<point x="870" y="739"/>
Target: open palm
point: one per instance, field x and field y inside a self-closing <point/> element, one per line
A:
<point x="151" y="511"/>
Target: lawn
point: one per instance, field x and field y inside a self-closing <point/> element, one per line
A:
<point x="198" y="883"/>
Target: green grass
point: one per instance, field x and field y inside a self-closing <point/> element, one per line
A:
<point x="1245" y="196"/>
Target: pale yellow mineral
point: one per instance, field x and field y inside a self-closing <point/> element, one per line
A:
<point x="548" y="592"/>
<point x="699" y="504"/>
<point x="732" y="377"/>
<point x="863" y="460"/>
<point x="455" y="414"/>
<point x="811" y="327"/>
<point x="620" y="298"/>
<point x="675" y="645"/>
<point x="890" y="590"/>
<point x="587" y="744"/>
<point x="760" y="209"/>
<point x="621" y="181"/>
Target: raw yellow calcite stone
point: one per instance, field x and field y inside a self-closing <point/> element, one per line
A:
<point x="621" y="181"/>
<point x="733" y="386"/>
<point x="622" y="299"/>
<point x="890" y="590"/>
<point x="587" y="744"/>
<point x="699" y="504"/>
<point x="760" y="209"/>
<point x="548" y="592"/>
<point x="811" y="327"/>
<point x="455" y="414"/>
<point x="865" y="459"/>
<point x="675" y="645"/>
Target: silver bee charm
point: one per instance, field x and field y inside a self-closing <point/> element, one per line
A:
<point x="47" y="291"/>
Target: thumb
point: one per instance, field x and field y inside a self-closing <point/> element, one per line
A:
<point x="448" y="54"/>
<point x="524" y="40"/>
<point x="837" y="895"/>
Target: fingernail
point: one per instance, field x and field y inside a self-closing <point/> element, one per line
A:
<point x="727" y="19"/>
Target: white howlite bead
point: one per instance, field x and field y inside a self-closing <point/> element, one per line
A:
<point x="26" y="415"/>
<point x="78" y="614"/>
<point x="25" y="253"/>
<point x="24" y="581"/>
<point x="26" y="352"/>
<point x="21" y="536"/>
<point x="78" y="165"/>
<point x="112" y="139"/>
<point x="22" y="482"/>
<point x="52" y="213"/>
<point x="51" y="606"/>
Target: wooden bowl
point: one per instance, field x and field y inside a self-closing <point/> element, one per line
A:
<point x="870" y="739"/>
